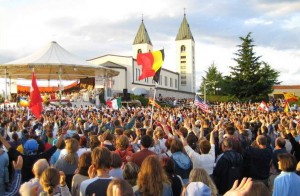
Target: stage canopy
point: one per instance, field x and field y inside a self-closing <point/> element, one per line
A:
<point x="46" y="89"/>
<point x="53" y="62"/>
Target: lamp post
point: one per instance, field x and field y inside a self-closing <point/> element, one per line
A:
<point x="205" y="83"/>
<point x="218" y="90"/>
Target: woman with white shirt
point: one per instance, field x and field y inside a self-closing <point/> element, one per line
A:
<point x="207" y="157"/>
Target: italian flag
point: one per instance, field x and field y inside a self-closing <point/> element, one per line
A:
<point x="114" y="103"/>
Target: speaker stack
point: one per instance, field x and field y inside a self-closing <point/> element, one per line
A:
<point x="126" y="95"/>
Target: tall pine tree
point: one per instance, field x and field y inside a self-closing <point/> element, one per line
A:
<point x="213" y="80"/>
<point x="250" y="79"/>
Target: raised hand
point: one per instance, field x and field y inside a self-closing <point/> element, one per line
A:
<point x="19" y="164"/>
<point x="241" y="190"/>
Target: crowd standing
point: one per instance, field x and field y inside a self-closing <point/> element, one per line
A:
<point x="234" y="149"/>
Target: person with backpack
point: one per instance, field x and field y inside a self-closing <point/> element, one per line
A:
<point x="228" y="167"/>
<point x="183" y="164"/>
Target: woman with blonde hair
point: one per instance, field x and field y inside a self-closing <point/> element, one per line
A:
<point x="118" y="187"/>
<point x="71" y="130"/>
<point x="53" y="183"/>
<point x="152" y="179"/>
<point x="68" y="164"/>
<point x="200" y="175"/>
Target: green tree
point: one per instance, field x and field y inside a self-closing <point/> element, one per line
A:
<point x="213" y="80"/>
<point x="250" y="79"/>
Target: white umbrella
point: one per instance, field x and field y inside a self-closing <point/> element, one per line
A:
<point x="139" y="91"/>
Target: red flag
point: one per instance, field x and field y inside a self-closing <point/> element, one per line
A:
<point x="151" y="63"/>
<point x="109" y="103"/>
<point x="35" y="105"/>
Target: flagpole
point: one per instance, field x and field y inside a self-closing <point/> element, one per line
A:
<point x="59" y="76"/>
<point x="152" y="109"/>
<point x="28" y="108"/>
<point x="5" y="96"/>
<point x="28" y="113"/>
<point x="289" y="106"/>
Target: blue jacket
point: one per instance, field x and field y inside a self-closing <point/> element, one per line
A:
<point x="4" y="176"/>
<point x="287" y="183"/>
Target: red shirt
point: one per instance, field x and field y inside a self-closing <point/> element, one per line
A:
<point x="139" y="157"/>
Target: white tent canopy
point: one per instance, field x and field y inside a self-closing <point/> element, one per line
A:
<point x="53" y="62"/>
<point x="139" y="91"/>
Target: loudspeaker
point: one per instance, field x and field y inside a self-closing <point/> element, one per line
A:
<point x="125" y="94"/>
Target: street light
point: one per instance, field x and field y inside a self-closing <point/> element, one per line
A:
<point x="205" y="83"/>
<point x="217" y="90"/>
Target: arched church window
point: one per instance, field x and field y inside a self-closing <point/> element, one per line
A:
<point x="139" y="51"/>
<point x="182" y="48"/>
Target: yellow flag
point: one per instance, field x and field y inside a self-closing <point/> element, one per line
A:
<point x="152" y="102"/>
<point x="290" y="97"/>
<point x="286" y="107"/>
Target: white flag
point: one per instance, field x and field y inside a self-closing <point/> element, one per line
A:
<point x="263" y="106"/>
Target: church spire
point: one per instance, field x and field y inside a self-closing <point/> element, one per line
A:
<point x="142" y="36"/>
<point x="184" y="30"/>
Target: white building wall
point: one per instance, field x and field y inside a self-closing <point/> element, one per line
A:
<point x="171" y="78"/>
<point x="168" y="80"/>
<point x="178" y="95"/>
<point x="124" y="79"/>
<point x="119" y="82"/>
<point x="144" y="47"/>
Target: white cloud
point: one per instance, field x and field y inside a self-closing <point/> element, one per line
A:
<point x="292" y="23"/>
<point x="258" y="21"/>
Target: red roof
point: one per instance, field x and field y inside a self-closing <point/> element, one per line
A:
<point x="286" y="87"/>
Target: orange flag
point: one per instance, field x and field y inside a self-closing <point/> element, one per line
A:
<point x="152" y="102"/>
<point x="290" y="97"/>
<point x="35" y="105"/>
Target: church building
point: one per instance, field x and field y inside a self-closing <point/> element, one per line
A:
<point x="179" y="84"/>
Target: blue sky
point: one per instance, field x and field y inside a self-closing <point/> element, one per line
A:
<point x="94" y="28"/>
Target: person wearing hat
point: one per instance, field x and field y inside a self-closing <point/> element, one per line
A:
<point x="30" y="147"/>
<point x="31" y="156"/>
<point x="197" y="188"/>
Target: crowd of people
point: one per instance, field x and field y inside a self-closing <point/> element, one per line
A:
<point x="130" y="151"/>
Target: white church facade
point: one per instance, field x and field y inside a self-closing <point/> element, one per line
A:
<point x="179" y="84"/>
